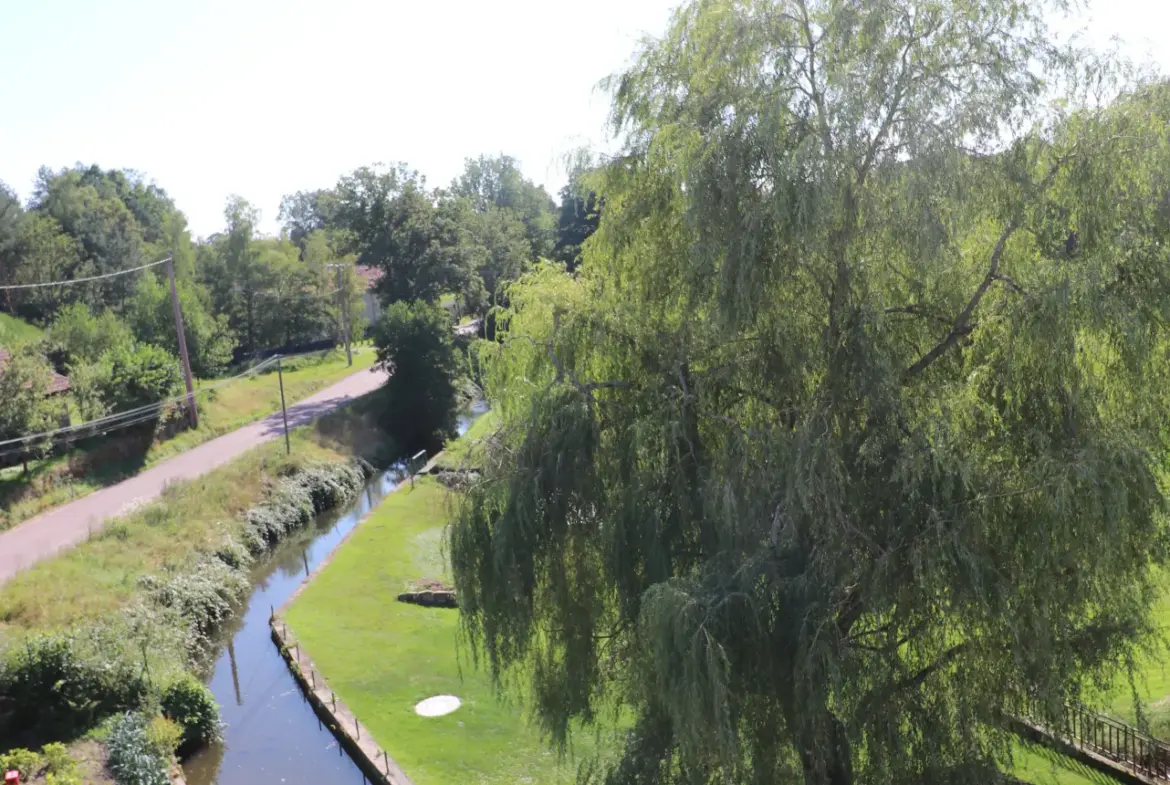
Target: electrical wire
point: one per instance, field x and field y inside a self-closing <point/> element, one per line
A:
<point x="141" y="413"/>
<point x="8" y="287"/>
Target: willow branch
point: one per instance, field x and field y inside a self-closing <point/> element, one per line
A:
<point x="960" y="327"/>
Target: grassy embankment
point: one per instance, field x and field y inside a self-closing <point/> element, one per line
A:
<point x="14" y="332"/>
<point x="102" y="575"/>
<point x="75" y="474"/>
<point x="100" y="584"/>
<point x="383" y="656"/>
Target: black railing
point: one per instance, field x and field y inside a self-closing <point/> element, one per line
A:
<point x="1107" y="737"/>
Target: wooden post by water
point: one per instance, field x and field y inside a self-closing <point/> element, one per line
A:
<point x="191" y="411"/>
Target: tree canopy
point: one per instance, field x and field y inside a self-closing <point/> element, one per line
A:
<point x="848" y="436"/>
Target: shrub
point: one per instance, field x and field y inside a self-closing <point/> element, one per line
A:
<point x="204" y="595"/>
<point x="165" y="734"/>
<point x="57" y="760"/>
<point x="135" y="759"/>
<point x="54" y="690"/>
<point x="190" y="703"/>
<point x="139" y="375"/>
<point x="25" y="761"/>
<point x="78" y="336"/>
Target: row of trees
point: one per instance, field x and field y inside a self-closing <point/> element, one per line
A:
<point x="242" y="292"/>
<point x="484" y="230"/>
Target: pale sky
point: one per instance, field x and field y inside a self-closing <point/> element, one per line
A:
<point x="266" y="97"/>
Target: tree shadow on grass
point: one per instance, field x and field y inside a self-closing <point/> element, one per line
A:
<point x="1049" y="767"/>
<point x="98" y="461"/>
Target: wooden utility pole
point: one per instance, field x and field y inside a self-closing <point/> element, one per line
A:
<point x="191" y="411"/>
<point x="343" y="304"/>
<point x="283" y="410"/>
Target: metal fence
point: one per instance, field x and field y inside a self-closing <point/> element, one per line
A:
<point x="1107" y="737"/>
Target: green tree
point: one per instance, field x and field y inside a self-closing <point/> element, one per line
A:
<point x="45" y="253"/>
<point x="498" y="183"/>
<point x="11" y="219"/>
<point x="79" y="336"/>
<point x="848" y="436"/>
<point x="139" y="375"/>
<point x="108" y="236"/>
<point x="577" y="220"/>
<point x="27" y="409"/>
<point x="503" y="249"/>
<point x="414" y="343"/>
<point x="210" y="341"/>
<point x="235" y="276"/>
<point x="306" y="212"/>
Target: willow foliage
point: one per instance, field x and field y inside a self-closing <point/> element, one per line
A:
<point x="848" y="437"/>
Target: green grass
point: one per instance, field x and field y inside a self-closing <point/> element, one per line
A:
<point x="382" y="656"/>
<point x="466" y="451"/>
<point x="14" y="332"/>
<point x="1040" y="765"/>
<point x="66" y="477"/>
<point x="101" y="574"/>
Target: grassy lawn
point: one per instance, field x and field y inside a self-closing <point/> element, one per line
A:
<point x="465" y="451"/>
<point x="382" y="656"/>
<point x="66" y="477"/>
<point x="1153" y="683"/>
<point x="14" y="332"/>
<point x="1041" y="766"/>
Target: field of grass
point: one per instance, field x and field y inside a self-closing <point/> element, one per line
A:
<point x="14" y="332"/>
<point x="52" y="482"/>
<point x="382" y="656"/>
<point x="1039" y="765"/>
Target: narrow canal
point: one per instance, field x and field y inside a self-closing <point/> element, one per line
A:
<point x="272" y="734"/>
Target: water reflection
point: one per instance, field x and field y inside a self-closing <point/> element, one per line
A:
<point x="272" y="734"/>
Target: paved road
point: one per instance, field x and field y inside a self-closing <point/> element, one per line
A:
<point x="65" y="526"/>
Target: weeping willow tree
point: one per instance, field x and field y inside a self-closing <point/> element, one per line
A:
<point x="848" y="437"/>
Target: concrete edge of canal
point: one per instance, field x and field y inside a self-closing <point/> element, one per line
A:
<point x="354" y="737"/>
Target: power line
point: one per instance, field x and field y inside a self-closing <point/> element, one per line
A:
<point x="83" y="280"/>
<point x="139" y="414"/>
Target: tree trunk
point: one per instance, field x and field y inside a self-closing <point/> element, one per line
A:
<point x="827" y="759"/>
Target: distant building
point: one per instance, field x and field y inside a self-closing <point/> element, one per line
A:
<point x="370" y="302"/>
<point x="58" y="385"/>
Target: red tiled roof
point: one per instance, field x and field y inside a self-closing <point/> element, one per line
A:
<point x="58" y="384"/>
<point x="371" y="274"/>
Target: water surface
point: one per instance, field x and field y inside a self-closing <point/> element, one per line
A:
<point x="272" y="734"/>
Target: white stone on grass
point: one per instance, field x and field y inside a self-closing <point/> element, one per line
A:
<point x="437" y="706"/>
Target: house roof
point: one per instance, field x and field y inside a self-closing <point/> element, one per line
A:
<point x="371" y="275"/>
<point x="58" y="384"/>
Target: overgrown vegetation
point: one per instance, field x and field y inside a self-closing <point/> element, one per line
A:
<point x="113" y="625"/>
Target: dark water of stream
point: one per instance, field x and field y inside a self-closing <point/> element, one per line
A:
<point x="272" y="734"/>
